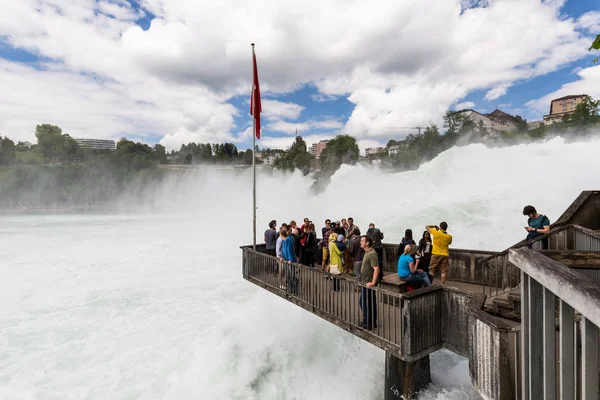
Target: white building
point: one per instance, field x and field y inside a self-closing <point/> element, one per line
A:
<point x="393" y="150"/>
<point x="371" y="151"/>
<point x="96" y="144"/>
<point x="495" y="122"/>
<point x="271" y="158"/>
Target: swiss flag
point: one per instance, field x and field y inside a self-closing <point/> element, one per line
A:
<point x="255" y="106"/>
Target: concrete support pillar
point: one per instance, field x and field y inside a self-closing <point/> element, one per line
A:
<point x="404" y="379"/>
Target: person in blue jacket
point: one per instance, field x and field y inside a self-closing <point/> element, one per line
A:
<point x="289" y="255"/>
<point x="407" y="269"/>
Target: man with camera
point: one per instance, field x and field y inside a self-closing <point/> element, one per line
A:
<point x="440" y="253"/>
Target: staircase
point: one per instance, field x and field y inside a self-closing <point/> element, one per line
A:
<point x="506" y="305"/>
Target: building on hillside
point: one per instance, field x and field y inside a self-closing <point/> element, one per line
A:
<point x="495" y="122"/>
<point x="563" y="106"/>
<point x="372" y="151"/>
<point x="271" y="158"/>
<point x="394" y="149"/>
<point x="96" y="144"/>
<point x="317" y="148"/>
<point x="535" y="124"/>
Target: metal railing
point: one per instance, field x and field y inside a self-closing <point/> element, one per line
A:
<point x="341" y="301"/>
<point x="500" y="276"/>
<point x="554" y="366"/>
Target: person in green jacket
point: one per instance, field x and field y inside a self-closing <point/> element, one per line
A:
<point x="335" y="258"/>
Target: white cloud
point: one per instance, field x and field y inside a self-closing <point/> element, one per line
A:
<point x="496" y="93"/>
<point x="589" y="83"/>
<point x="123" y="12"/>
<point x="293" y="127"/>
<point x="590" y="21"/>
<point x="108" y="77"/>
<point x="273" y="110"/>
<point x="288" y="127"/>
<point x="321" y="98"/>
<point x="327" y="124"/>
<point x="465" y="105"/>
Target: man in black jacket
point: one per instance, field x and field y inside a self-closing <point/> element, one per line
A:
<point x="377" y="235"/>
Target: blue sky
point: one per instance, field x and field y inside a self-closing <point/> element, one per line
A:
<point x="159" y="74"/>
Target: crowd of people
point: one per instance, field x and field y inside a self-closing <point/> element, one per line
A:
<point x="343" y="249"/>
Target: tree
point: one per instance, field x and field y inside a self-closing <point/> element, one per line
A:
<point x="586" y="110"/>
<point x="521" y="124"/>
<point x="453" y="122"/>
<point x="391" y="143"/>
<point x="296" y="157"/>
<point x="50" y="140"/>
<point x="7" y="151"/>
<point x="481" y="128"/>
<point x="595" y="46"/>
<point x="161" y="153"/>
<point x="467" y="125"/>
<point x="54" y="144"/>
<point x="342" y="149"/>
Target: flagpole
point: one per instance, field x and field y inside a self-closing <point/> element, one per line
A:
<point x="253" y="175"/>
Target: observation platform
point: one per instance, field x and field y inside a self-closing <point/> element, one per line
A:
<point x="527" y="320"/>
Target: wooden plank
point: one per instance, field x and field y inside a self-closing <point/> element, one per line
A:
<point x="568" y="285"/>
<point x="579" y="259"/>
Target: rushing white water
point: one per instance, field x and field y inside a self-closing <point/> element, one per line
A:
<point x="151" y="305"/>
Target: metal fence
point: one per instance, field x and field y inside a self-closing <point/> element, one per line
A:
<point x="555" y="298"/>
<point x="500" y="276"/>
<point x="406" y="324"/>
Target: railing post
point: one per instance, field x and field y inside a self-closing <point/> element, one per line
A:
<point x="549" y="328"/>
<point x="535" y="332"/>
<point x="589" y="360"/>
<point x="567" y="349"/>
<point x="525" y="336"/>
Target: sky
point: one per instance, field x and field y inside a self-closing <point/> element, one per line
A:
<point x="180" y="71"/>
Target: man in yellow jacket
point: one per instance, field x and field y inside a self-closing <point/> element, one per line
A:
<point x="440" y="253"/>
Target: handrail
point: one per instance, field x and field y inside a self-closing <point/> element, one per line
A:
<point x="498" y="272"/>
<point x="407" y="295"/>
<point x="552" y="232"/>
<point x="524" y="243"/>
<point x="341" y="301"/>
<point x="568" y="285"/>
<point x="552" y="293"/>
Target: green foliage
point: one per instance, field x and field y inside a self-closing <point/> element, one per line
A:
<point x="7" y="151"/>
<point x="521" y="124"/>
<point x="453" y="122"/>
<point x="218" y="153"/>
<point x="296" y="157"/>
<point x="55" y="145"/>
<point x="595" y="46"/>
<point x="161" y="153"/>
<point x="585" y="112"/>
<point x="342" y="149"/>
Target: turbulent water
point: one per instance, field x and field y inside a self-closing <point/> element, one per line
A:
<point x="150" y="304"/>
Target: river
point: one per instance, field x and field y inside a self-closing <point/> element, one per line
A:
<point x="149" y="303"/>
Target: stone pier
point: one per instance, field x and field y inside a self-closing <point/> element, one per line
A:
<point x="404" y="379"/>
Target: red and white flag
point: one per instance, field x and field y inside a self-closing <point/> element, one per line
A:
<point x="255" y="106"/>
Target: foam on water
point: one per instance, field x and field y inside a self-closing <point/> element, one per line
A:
<point x="152" y="305"/>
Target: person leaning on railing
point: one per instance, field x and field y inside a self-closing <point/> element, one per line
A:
<point x="370" y="270"/>
<point x="537" y="225"/>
